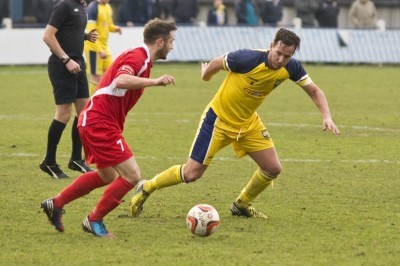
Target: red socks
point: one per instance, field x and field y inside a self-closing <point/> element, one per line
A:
<point x="87" y="182"/>
<point x="81" y="186"/>
<point x="111" y="198"/>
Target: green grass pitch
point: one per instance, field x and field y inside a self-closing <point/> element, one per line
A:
<point x="337" y="201"/>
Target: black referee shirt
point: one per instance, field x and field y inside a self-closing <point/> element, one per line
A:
<point x="70" y="18"/>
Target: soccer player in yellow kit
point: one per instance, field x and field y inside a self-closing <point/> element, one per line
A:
<point x="98" y="55"/>
<point x="231" y="118"/>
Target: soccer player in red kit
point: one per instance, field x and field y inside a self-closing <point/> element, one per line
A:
<point x="101" y="124"/>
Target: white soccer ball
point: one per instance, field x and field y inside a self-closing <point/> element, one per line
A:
<point x="202" y="220"/>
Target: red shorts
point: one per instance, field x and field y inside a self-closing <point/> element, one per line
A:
<point x="104" y="145"/>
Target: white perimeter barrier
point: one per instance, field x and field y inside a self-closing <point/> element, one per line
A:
<point x="26" y="47"/>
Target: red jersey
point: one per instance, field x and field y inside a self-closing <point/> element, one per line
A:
<point x="110" y="104"/>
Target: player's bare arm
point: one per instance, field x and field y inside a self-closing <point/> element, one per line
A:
<point x="129" y="82"/>
<point x="208" y="70"/>
<point x="319" y="99"/>
<point x="51" y="41"/>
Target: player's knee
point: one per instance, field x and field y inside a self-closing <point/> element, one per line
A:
<point x="193" y="170"/>
<point x="133" y="177"/>
<point x="273" y="171"/>
<point x="276" y="170"/>
<point x="192" y="175"/>
<point x="131" y="174"/>
<point x="63" y="117"/>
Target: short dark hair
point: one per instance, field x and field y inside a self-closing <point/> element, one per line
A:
<point x="157" y="28"/>
<point x="287" y="37"/>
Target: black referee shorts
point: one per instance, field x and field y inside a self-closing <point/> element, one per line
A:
<point x="67" y="87"/>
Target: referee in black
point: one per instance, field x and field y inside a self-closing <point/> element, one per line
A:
<point x="65" y="36"/>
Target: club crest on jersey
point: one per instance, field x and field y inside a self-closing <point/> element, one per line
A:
<point x="278" y="82"/>
<point x="127" y="69"/>
<point x="265" y="134"/>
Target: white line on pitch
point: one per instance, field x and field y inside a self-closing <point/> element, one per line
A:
<point x="227" y="159"/>
<point x="185" y="121"/>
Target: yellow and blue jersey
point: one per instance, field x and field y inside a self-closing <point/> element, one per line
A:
<point x="248" y="82"/>
<point x="99" y="18"/>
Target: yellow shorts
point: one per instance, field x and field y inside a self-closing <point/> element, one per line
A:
<point x="95" y="65"/>
<point x="214" y="134"/>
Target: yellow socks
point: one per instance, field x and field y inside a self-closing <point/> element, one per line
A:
<point x="174" y="175"/>
<point x="258" y="182"/>
<point x="169" y="177"/>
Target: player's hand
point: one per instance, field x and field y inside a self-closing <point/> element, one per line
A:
<point x="92" y="36"/>
<point x="73" y="67"/>
<point x="203" y="67"/>
<point x="118" y="29"/>
<point x="329" y="124"/>
<point x="103" y="54"/>
<point x="165" y="80"/>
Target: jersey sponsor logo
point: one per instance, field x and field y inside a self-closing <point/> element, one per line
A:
<point x="255" y="93"/>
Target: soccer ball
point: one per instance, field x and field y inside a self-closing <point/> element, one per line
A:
<point x="202" y="220"/>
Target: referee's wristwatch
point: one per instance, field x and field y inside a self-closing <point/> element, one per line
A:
<point x="65" y="58"/>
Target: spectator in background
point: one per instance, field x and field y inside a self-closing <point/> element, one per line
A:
<point x="135" y="12"/>
<point x="98" y="55"/>
<point x="327" y="14"/>
<point x="161" y="9"/>
<point x="42" y="10"/>
<point x="185" y="11"/>
<point x="271" y="12"/>
<point x="363" y="14"/>
<point x="217" y="14"/>
<point x="4" y="11"/>
<point x="306" y="11"/>
<point x="246" y="12"/>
